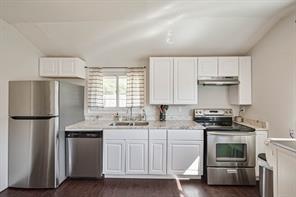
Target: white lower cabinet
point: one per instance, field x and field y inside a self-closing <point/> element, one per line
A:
<point x="185" y="157"/>
<point x="114" y="157"/>
<point x="136" y="156"/>
<point x="125" y="152"/>
<point x="261" y="137"/>
<point x="153" y="152"/>
<point x="157" y="157"/>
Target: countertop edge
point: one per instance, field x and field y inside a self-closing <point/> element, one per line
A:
<point x="252" y="126"/>
<point x="278" y="144"/>
<point x="106" y="126"/>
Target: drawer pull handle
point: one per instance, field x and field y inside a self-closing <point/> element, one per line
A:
<point x="232" y="171"/>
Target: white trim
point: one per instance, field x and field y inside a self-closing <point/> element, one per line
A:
<point x="151" y="176"/>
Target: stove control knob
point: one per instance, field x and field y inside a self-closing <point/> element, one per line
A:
<point x="228" y="112"/>
<point x="198" y="112"/>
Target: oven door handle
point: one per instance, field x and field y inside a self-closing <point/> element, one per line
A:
<point x="232" y="133"/>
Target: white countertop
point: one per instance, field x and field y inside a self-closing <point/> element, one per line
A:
<point x="289" y="144"/>
<point x="257" y="128"/>
<point x="92" y="125"/>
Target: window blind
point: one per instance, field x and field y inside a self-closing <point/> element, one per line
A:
<point x="95" y="89"/>
<point x="135" y="95"/>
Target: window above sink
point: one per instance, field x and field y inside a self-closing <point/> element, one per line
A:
<point x="112" y="90"/>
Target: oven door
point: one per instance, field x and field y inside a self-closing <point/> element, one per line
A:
<point x="231" y="149"/>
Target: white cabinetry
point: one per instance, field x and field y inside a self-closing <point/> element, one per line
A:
<point x="114" y="157"/>
<point x="207" y="66"/>
<point x="217" y="67"/>
<point x="157" y="151"/>
<point x="185" y="152"/>
<point x="49" y="67"/>
<point x="284" y="173"/>
<point x="261" y="137"/>
<point x="242" y="94"/>
<point x="228" y="66"/>
<point x="161" y="80"/>
<point x="185" y="80"/>
<point x="283" y="161"/>
<point x="136" y="157"/>
<point x="173" y="80"/>
<point x="62" y="67"/>
<point x="125" y="151"/>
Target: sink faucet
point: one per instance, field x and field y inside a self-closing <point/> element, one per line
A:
<point x="129" y="113"/>
<point x="143" y="116"/>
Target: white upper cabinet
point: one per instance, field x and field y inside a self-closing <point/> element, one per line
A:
<point x="173" y="80"/>
<point x="207" y="66"/>
<point x="185" y="80"/>
<point x="62" y="67"/>
<point x="217" y="67"/>
<point x="49" y="67"/>
<point x="228" y="66"/>
<point x="242" y="94"/>
<point x="161" y="80"/>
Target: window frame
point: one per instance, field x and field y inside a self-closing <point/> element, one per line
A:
<point x="117" y="75"/>
<point x="107" y="72"/>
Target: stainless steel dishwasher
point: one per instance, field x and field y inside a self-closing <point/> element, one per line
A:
<point x="84" y="151"/>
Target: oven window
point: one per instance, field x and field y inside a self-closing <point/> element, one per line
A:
<point x="231" y="152"/>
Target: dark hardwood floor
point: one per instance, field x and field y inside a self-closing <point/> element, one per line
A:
<point x="135" y="188"/>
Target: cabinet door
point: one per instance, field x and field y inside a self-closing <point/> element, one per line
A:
<point x="49" y="67"/>
<point x="136" y="156"/>
<point x="161" y="80"/>
<point x="242" y="94"/>
<point x="185" y="157"/>
<point x="207" y="67"/>
<point x="114" y="157"/>
<point x="185" y="80"/>
<point x="67" y="67"/>
<point x="245" y="78"/>
<point x="228" y="66"/>
<point x="284" y="174"/>
<point x="261" y="137"/>
<point x="157" y="157"/>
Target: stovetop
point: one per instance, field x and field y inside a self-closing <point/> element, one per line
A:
<point x="232" y="127"/>
<point x="218" y="120"/>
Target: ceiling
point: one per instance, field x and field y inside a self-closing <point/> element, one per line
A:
<point x="126" y="32"/>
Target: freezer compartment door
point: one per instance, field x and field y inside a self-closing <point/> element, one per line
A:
<point x="32" y="153"/>
<point x="33" y="98"/>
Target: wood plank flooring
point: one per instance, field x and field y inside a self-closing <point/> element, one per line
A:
<point x="135" y="188"/>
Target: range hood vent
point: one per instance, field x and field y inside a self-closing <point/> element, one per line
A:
<point x="218" y="81"/>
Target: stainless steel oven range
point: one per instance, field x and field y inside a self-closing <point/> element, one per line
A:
<point x="230" y="148"/>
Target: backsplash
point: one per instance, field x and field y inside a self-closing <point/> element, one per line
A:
<point x="209" y="97"/>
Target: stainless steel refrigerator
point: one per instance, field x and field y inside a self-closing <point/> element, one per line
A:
<point x="38" y="114"/>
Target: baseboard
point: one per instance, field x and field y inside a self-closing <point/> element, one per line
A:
<point x="152" y="176"/>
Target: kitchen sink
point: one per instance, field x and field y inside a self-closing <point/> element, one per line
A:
<point x="137" y="123"/>
<point x="141" y="123"/>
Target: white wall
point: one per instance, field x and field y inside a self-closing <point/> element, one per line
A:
<point x="18" y="60"/>
<point x="274" y="78"/>
<point x="209" y="97"/>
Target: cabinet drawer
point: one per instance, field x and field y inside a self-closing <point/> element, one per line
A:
<point x="125" y="134"/>
<point x="185" y="135"/>
<point x="157" y="134"/>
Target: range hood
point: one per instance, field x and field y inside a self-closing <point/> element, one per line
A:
<point x="218" y="81"/>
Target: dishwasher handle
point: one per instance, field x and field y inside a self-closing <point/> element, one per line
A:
<point x="84" y="134"/>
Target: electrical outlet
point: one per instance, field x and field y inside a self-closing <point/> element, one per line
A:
<point x="292" y="133"/>
<point x="242" y="109"/>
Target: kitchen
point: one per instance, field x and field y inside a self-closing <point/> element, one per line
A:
<point x="134" y="69"/>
